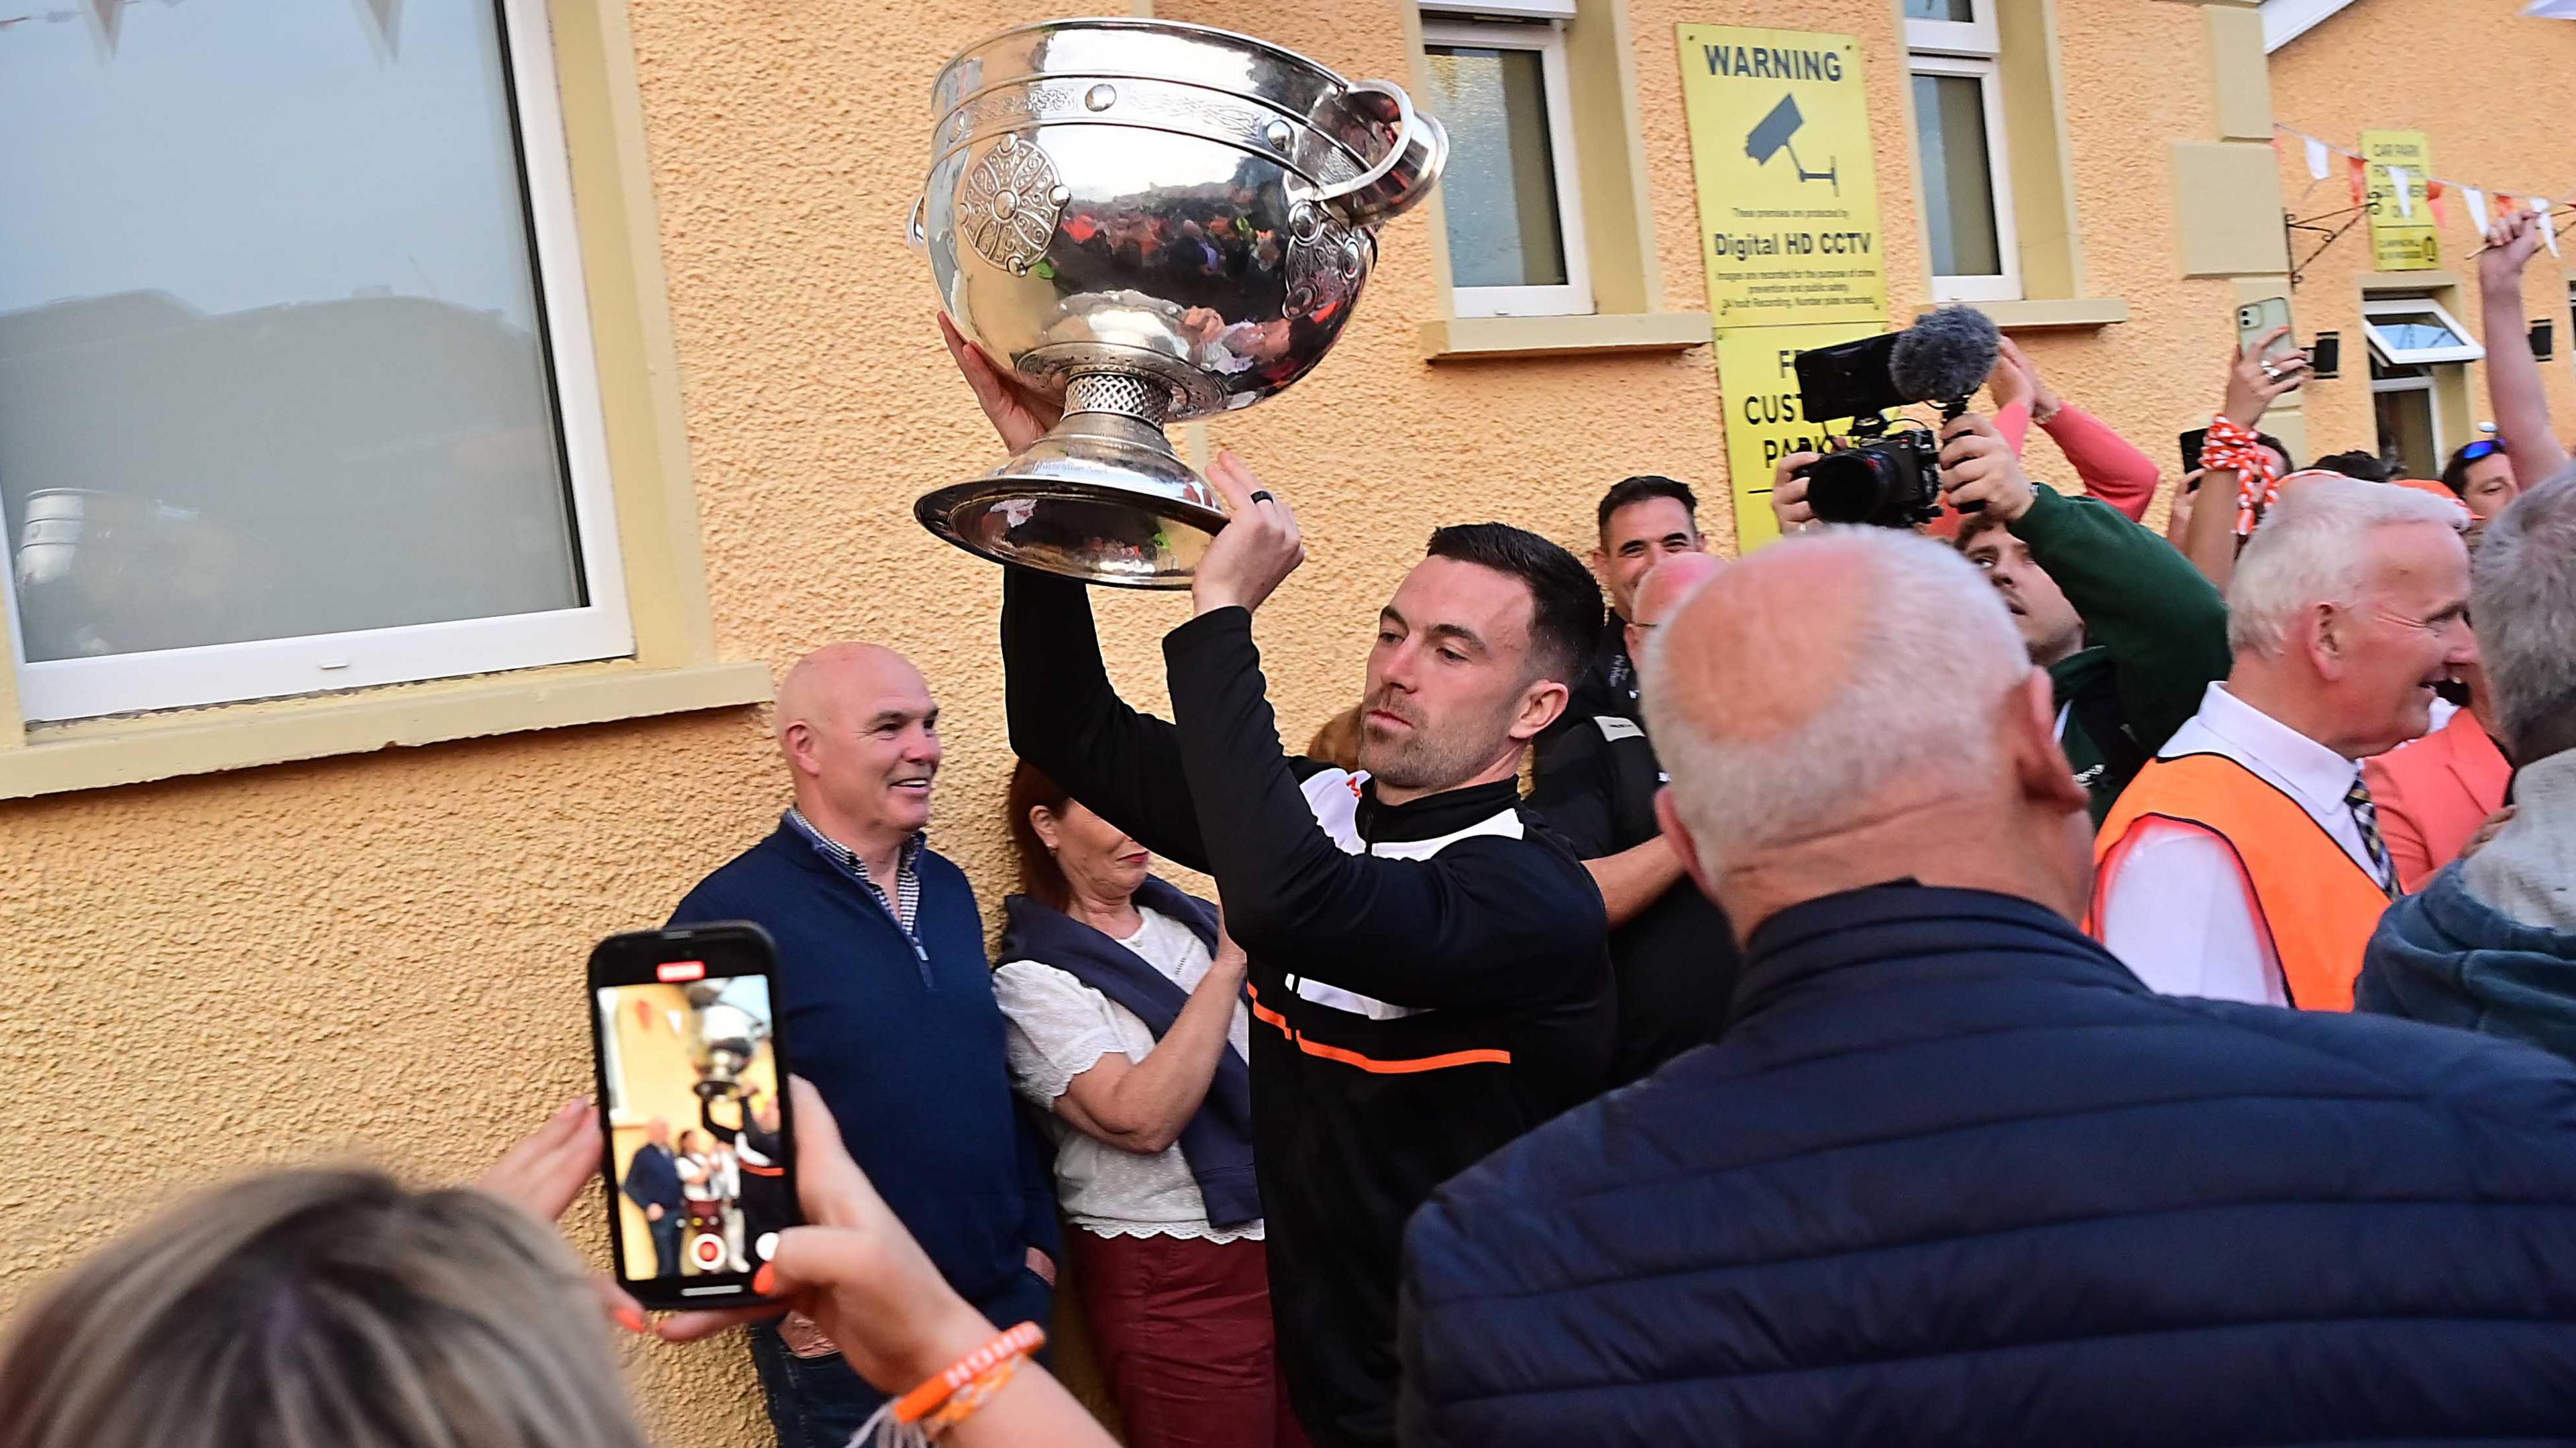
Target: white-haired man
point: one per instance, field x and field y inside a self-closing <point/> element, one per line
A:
<point x="2490" y="945"/>
<point x="2245" y="863"/>
<point x="1953" y="1175"/>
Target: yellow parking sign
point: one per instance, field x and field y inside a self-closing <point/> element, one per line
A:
<point x="1756" y="367"/>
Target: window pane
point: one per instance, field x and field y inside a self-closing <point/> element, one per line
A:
<point x="2406" y="432"/>
<point x="1958" y="181"/>
<point x="1959" y="10"/>
<point x="2416" y="331"/>
<point x="1500" y="189"/>
<point x="271" y="357"/>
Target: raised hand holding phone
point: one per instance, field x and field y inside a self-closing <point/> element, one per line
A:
<point x="698" y="1144"/>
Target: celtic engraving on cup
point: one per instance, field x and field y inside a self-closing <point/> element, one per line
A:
<point x="1326" y="260"/>
<point x="1008" y="204"/>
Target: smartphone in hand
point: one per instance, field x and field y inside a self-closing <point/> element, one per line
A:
<point x="2256" y="320"/>
<point x="698" y="1136"/>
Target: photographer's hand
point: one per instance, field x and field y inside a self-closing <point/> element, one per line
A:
<point x="1789" y="506"/>
<point x="2253" y="385"/>
<point x="2045" y="404"/>
<point x="1980" y="473"/>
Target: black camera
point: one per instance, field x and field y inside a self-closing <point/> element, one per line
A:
<point x="1890" y="474"/>
<point x="1890" y="479"/>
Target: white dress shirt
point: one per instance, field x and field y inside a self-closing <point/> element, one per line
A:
<point x="2178" y="910"/>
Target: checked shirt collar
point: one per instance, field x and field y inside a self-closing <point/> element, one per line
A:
<point x="906" y="904"/>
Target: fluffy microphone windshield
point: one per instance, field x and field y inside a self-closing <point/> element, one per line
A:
<point x="1945" y="356"/>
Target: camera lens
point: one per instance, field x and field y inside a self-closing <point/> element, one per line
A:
<point x="1849" y="487"/>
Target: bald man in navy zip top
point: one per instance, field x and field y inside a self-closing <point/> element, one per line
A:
<point x="886" y="1005"/>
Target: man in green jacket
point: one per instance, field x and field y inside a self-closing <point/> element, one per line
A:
<point x="2131" y="634"/>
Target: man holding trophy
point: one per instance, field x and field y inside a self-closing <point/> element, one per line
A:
<point x="1133" y="222"/>
<point x="1428" y="969"/>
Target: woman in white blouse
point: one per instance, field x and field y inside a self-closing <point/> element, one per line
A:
<point x="1128" y="1026"/>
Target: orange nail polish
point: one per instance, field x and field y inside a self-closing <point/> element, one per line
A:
<point x="631" y="1318"/>
<point x="765" y="1281"/>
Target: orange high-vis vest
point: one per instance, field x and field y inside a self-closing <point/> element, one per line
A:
<point x="2315" y="902"/>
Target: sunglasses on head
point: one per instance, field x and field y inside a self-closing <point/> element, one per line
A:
<point x="2483" y="448"/>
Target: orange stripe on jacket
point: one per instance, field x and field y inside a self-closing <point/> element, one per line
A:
<point x="2314" y="901"/>
<point x="1487" y="1056"/>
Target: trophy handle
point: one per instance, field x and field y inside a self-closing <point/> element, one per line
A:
<point x="1408" y="170"/>
<point x="916" y="232"/>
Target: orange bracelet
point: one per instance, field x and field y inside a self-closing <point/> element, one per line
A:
<point x="973" y="1378"/>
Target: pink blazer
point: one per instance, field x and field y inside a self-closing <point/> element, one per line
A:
<point x="2434" y="793"/>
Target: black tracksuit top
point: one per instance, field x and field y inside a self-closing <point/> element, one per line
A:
<point x="1429" y="981"/>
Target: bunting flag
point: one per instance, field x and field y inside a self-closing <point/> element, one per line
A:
<point x="384" y="26"/>
<point x="106" y="17"/>
<point x="2548" y="225"/>
<point x="2486" y="204"/>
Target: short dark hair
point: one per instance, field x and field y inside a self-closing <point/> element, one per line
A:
<point x="1973" y="526"/>
<point x="2455" y="473"/>
<point x="1642" y="487"/>
<point x="2369" y="467"/>
<point x="1565" y="601"/>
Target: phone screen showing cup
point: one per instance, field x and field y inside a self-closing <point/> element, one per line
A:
<point x="700" y="1147"/>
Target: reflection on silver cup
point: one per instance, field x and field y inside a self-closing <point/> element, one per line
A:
<point x="723" y="1040"/>
<point x="1156" y="222"/>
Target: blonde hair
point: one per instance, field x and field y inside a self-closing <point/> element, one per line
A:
<point x="319" y="1309"/>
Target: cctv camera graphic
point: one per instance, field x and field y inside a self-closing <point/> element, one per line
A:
<point x="1771" y="138"/>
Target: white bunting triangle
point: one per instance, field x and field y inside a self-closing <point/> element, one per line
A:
<point x="383" y="22"/>
<point x="2477" y="208"/>
<point x="2320" y="160"/>
<point x="106" y="17"/>
<point x="2548" y="225"/>
<point x="2405" y="192"/>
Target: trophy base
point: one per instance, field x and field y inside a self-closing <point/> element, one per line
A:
<point x="1101" y="498"/>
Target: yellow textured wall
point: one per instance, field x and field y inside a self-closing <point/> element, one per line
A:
<point x="2492" y="121"/>
<point x="380" y="956"/>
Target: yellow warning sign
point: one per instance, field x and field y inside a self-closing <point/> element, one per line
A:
<point x="1788" y="195"/>
<point x="2399" y="179"/>
<point x="1756" y="369"/>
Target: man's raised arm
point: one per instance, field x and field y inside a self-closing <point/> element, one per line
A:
<point x="1473" y="925"/>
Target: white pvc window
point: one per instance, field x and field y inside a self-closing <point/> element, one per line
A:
<point x="2416" y="332"/>
<point x="296" y="382"/>
<point x="1960" y="150"/>
<point x="1510" y="195"/>
<point x="1958" y="27"/>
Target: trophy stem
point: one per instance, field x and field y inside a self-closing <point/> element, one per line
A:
<point x="1121" y="394"/>
<point x="1102" y="497"/>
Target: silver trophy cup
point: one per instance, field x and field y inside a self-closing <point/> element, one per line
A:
<point x="1155" y="222"/>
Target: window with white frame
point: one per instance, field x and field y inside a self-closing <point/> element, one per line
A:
<point x="2416" y="347"/>
<point x="1956" y="64"/>
<point x="296" y="385"/>
<point x="1510" y="196"/>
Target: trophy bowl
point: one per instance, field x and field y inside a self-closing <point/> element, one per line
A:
<point x="1154" y="222"/>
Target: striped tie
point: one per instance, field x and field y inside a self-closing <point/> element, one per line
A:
<point x="2366" y="815"/>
